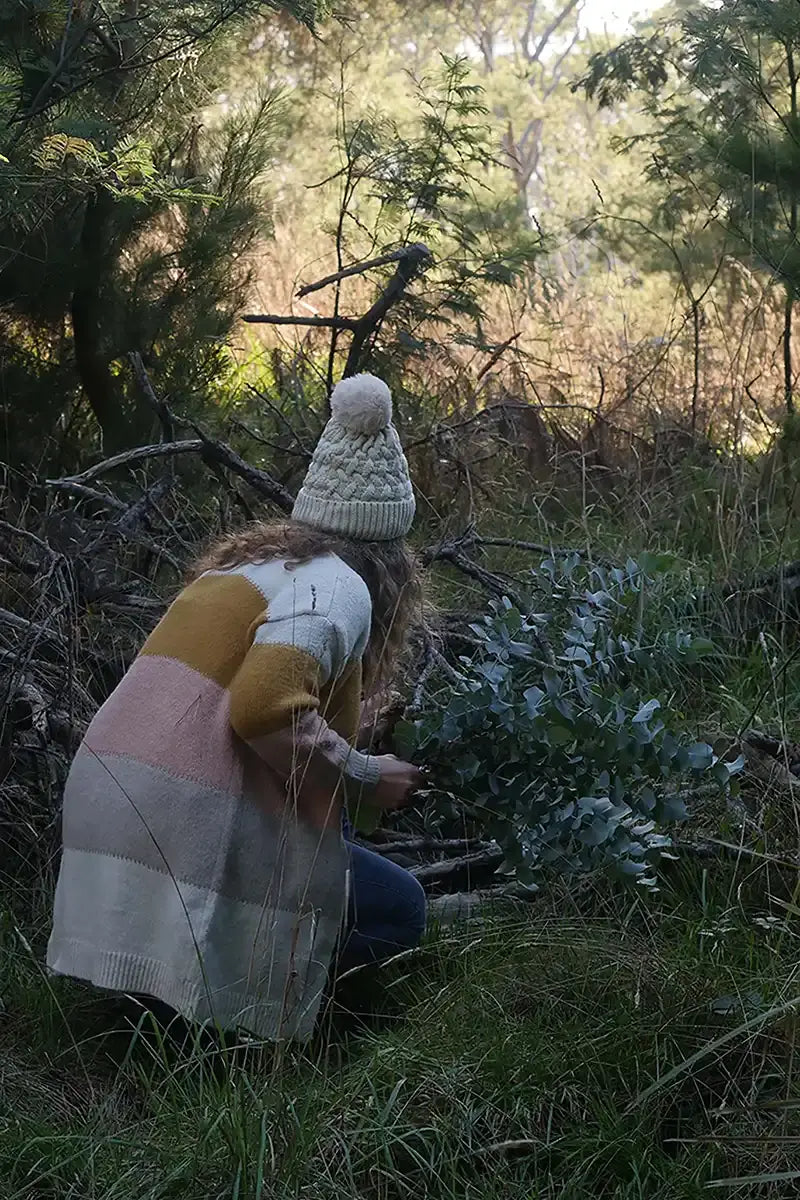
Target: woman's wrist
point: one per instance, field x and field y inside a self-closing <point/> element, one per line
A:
<point x="363" y="769"/>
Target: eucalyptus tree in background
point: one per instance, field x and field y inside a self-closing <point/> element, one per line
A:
<point x="720" y="84"/>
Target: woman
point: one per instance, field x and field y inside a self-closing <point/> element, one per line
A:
<point x="204" y="864"/>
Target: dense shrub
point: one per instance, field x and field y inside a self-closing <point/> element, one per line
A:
<point x="550" y="736"/>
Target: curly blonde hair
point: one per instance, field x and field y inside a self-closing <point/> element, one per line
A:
<point x="389" y="570"/>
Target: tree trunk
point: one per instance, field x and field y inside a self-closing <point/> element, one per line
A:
<point x="788" y="383"/>
<point x="89" y="314"/>
<point x="788" y="380"/>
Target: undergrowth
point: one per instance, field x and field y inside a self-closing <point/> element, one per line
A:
<point x="602" y="1043"/>
<point x="605" y="1045"/>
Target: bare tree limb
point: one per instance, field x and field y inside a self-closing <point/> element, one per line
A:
<point x="552" y="28"/>
<point x="556" y="73"/>
<point x="136" y="513"/>
<point x="135" y="604"/>
<point x="411" y="260"/>
<point x="415" y="260"/>
<point x="453" y="553"/>
<point x="541" y="548"/>
<point x="497" y="354"/>
<point x="127" y="524"/>
<point x="527" y="32"/>
<point x="513" y="1148"/>
<point x="355" y="269"/>
<point x="431" y="845"/>
<point x="28" y="536"/>
<point x="260" y="481"/>
<point x="312" y="322"/>
<point x="159" y="407"/>
<point x="29" y="628"/>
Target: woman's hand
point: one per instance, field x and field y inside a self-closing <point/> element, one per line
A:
<point x="397" y="784"/>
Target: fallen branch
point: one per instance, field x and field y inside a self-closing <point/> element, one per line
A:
<point x="425" y="668"/>
<point x="30" y="628"/>
<point x="40" y="640"/>
<point x="513" y="1148"/>
<point x="432" y="845"/>
<point x="139" y="539"/>
<point x="134" y="604"/>
<point x="209" y="450"/>
<point x="470" y="539"/>
<point x="63" y="730"/>
<point x="381" y="836"/>
<point x="432" y="658"/>
<point x="82" y="492"/>
<point x="452" y="553"/>
<point x="127" y="458"/>
<point x="26" y="535"/>
<point x="713" y="848"/>
<point x="260" y="481"/>
<point x="16" y="561"/>
<point x="534" y="547"/>
<point x="771" y="746"/>
<point x="489" y="859"/>
<point x="126" y="525"/>
<point x="137" y="513"/>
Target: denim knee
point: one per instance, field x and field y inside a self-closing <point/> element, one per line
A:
<point x="387" y="904"/>
<point x="411" y="915"/>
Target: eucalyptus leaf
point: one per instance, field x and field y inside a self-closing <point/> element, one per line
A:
<point x="534" y="699"/>
<point x="701" y="756"/>
<point x="646" y="711"/>
<point x="576" y="765"/>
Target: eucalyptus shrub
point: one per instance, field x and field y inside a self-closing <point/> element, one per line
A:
<point x="550" y="735"/>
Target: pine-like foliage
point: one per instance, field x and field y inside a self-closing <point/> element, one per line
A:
<point x="125" y="224"/>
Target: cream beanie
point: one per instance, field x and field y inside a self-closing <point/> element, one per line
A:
<point x="358" y="483"/>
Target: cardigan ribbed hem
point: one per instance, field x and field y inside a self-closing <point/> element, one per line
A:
<point x="261" y="967"/>
<point x="134" y="974"/>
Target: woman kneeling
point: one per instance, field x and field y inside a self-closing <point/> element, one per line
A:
<point x="204" y="863"/>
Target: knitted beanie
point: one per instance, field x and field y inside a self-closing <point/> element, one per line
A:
<point x="358" y="483"/>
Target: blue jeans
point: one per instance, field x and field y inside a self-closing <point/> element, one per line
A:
<point x="386" y="909"/>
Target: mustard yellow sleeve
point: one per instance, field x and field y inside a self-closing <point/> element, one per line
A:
<point x="310" y="635"/>
<point x="273" y="687"/>
<point x="310" y="641"/>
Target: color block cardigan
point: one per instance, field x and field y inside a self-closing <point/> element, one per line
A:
<point x="203" y="861"/>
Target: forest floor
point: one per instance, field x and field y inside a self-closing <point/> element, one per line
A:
<point x="600" y="1043"/>
<point x="601" y="1046"/>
